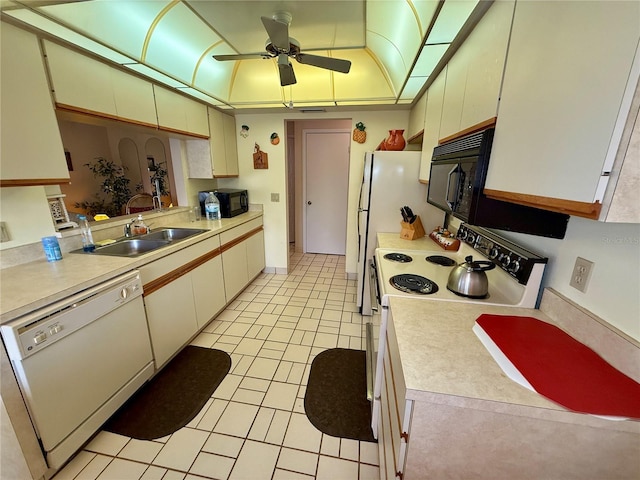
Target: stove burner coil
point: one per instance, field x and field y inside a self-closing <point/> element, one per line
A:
<point x="441" y="260"/>
<point x="411" y="283"/>
<point x="398" y="257"/>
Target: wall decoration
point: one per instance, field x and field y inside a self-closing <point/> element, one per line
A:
<point x="359" y="135"/>
<point x="260" y="158"/>
<point x="244" y="131"/>
<point x="275" y="140"/>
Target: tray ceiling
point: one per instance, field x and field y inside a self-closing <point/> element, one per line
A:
<point x="393" y="45"/>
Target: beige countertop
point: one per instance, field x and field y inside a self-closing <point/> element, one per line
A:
<point x="33" y="285"/>
<point x="444" y="362"/>
<point x="441" y="354"/>
<point x="393" y="240"/>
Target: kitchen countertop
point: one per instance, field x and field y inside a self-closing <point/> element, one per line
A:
<point x="36" y="284"/>
<point x="443" y="361"/>
<point x="393" y="241"/>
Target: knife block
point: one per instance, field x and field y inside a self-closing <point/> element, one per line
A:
<point x="411" y="231"/>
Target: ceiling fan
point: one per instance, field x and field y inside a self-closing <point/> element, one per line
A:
<point x="281" y="46"/>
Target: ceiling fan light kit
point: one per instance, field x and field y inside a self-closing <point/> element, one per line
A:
<point x="282" y="46"/>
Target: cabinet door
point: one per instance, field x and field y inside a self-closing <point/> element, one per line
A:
<point x="561" y="96"/>
<point x="433" y="114"/>
<point x="208" y="290"/>
<point x="255" y="254"/>
<point x="485" y="52"/>
<point x="79" y="81"/>
<point x="416" y="117"/>
<point x="234" y="265"/>
<point x="172" y="318"/>
<point x="454" y="93"/>
<point x="216" y="142"/>
<point x="180" y="114"/>
<point x="230" y="145"/>
<point x="134" y="98"/>
<point x="31" y="147"/>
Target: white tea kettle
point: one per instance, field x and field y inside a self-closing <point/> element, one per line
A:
<point x="469" y="280"/>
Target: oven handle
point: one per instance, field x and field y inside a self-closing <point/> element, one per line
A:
<point x="373" y="285"/>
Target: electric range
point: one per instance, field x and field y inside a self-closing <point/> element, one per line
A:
<point x="515" y="281"/>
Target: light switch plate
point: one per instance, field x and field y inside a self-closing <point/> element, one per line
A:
<point x="275" y="197"/>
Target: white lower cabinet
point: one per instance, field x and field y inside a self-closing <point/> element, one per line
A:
<point x="171" y="315"/>
<point x="242" y="255"/>
<point x="182" y="293"/>
<point x="208" y="290"/>
<point x="395" y="414"/>
<point x="185" y="290"/>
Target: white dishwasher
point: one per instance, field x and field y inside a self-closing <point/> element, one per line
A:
<point x="78" y="360"/>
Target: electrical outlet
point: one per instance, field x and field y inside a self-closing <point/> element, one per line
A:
<point x="275" y="197"/>
<point x="581" y="274"/>
<point x="4" y="233"/>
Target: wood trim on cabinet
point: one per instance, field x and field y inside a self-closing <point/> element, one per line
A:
<point x="32" y="182"/>
<point x="182" y="132"/>
<point x="569" y="207"/>
<point x="106" y="116"/>
<point x="472" y="129"/>
<point x="225" y="176"/>
<point x="240" y="239"/>
<point x="158" y="283"/>
<point x="416" y="138"/>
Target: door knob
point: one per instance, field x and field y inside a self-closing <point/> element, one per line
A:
<point x="308" y="202"/>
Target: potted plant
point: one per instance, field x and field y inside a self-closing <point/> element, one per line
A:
<point x="114" y="184"/>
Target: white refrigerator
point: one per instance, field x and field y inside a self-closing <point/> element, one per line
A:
<point x="389" y="182"/>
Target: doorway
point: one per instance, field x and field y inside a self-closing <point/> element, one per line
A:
<point x="326" y="185"/>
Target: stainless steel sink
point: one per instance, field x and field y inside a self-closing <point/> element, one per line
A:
<point x="131" y="247"/>
<point x="173" y="234"/>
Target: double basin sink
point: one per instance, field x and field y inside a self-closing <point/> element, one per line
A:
<point x="139" y="245"/>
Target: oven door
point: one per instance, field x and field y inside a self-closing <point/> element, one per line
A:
<point x="371" y="340"/>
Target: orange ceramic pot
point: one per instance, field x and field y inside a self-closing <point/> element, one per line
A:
<point x="395" y="141"/>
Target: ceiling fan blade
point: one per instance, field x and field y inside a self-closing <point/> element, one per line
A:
<point x="278" y="33"/>
<point x="287" y="77"/>
<point x="247" y="56"/>
<point x="335" y="64"/>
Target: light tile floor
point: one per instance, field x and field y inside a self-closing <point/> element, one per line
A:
<point x="254" y="426"/>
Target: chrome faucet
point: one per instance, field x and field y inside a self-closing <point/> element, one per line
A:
<point x="127" y="228"/>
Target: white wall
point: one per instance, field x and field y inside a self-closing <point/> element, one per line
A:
<point x="613" y="292"/>
<point x="261" y="183"/>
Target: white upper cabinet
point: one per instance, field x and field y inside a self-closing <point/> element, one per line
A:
<point x="433" y="115"/>
<point x="566" y="94"/>
<point x="31" y="148"/>
<point x="416" y="118"/>
<point x="218" y="156"/>
<point x="465" y="94"/>
<point x="474" y="74"/>
<point x="86" y="85"/>
<point x="222" y="140"/>
<point x="180" y="114"/>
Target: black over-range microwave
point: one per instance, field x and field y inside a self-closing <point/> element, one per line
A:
<point x="232" y="201"/>
<point x="458" y="173"/>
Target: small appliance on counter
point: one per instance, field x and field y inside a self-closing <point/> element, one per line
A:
<point x="233" y="201"/>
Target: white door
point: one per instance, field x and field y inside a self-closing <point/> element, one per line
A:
<point x="326" y="186"/>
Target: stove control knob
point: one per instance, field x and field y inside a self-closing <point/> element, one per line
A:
<point x="506" y="261"/>
<point x="471" y="239"/>
<point x="462" y="234"/>
<point x="493" y="253"/>
<point x="516" y="266"/>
